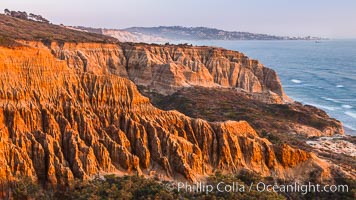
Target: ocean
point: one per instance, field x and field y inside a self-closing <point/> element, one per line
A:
<point x="322" y="73"/>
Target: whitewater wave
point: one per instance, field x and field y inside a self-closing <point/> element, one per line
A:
<point x="347" y="106"/>
<point x="330" y="99"/>
<point x="331" y="108"/>
<point x="351" y="114"/>
<point x="296" y="81"/>
<point x="339" y="86"/>
<point x="350" y="100"/>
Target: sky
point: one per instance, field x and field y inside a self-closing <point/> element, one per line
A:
<point x="322" y="18"/>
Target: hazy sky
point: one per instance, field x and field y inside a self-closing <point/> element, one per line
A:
<point x="326" y="18"/>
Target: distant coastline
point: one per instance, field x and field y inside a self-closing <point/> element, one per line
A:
<point x="173" y="33"/>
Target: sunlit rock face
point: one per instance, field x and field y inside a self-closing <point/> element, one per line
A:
<point x="70" y="111"/>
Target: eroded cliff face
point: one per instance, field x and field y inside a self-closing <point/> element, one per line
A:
<point x="66" y="113"/>
<point x="166" y="69"/>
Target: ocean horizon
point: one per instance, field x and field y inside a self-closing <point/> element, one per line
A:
<point x="318" y="73"/>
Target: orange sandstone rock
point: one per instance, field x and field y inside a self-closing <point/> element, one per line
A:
<point x="64" y="113"/>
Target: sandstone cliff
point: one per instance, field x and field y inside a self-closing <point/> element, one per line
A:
<point x="166" y="69"/>
<point x="122" y="35"/>
<point x="66" y="113"/>
<point x="126" y="36"/>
